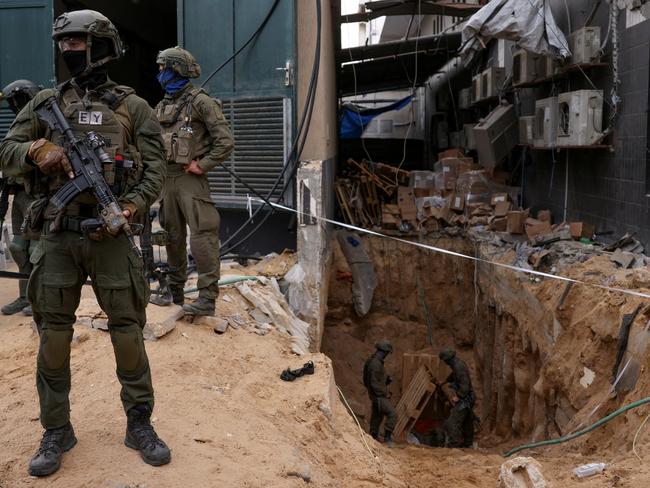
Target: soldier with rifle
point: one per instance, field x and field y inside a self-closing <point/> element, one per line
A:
<point x="99" y="150"/>
<point x="17" y="94"/>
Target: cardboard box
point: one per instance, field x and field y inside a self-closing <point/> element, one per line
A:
<point x="422" y="179"/>
<point x="450" y="182"/>
<point x="456" y="166"/>
<point x="390" y="215"/>
<point x="451" y="153"/>
<point x="515" y="221"/>
<point x="499" y="198"/>
<point x="406" y="203"/>
<point x="424" y="192"/>
<point x="544" y="216"/>
<point x="499" y="224"/>
<point x="581" y="229"/>
<point x="501" y="209"/>
<point x="536" y="228"/>
<point x="457" y="202"/>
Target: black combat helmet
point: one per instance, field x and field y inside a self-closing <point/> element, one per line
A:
<point x="18" y="93"/>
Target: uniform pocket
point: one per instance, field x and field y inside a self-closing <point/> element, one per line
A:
<point x="114" y="290"/>
<point x="59" y="290"/>
<point x="206" y="214"/>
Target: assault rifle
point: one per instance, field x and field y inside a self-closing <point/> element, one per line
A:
<point x="4" y="203"/>
<point x="86" y="158"/>
<point x="154" y="270"/>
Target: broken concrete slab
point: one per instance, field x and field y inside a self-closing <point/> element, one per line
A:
<point x="622" y="258"/>
<point x="161" y="321"/>
<point x="521" y="472"/>
<point x="364" y="280"/>
<point x="218" y="324"/>
<point x="100" y="324"/>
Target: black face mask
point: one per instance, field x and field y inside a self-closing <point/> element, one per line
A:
<point x="75" y="61"/>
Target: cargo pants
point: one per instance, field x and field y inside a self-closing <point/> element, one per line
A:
<point x="186" y="202"/>
<point x="381" y="407"/>
<point x="459" y="426"/>
<point x="20" y="247"/>
<point x="62" y="262"/>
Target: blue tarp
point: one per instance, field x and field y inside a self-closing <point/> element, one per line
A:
<point x="354" y="119"/>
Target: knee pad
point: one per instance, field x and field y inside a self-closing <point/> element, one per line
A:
<point x="54" y="351"/>
<point x="128" y="345"/>
<point x="18" y="249"/>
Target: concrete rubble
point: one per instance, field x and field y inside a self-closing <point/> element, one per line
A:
<point x="521" y="472"/>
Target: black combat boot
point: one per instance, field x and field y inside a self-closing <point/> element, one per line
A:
<point x="201" y="306"/>
<point x="175" y="295"/>
<point x="55" y="442"/>
<point x="388" y="438"/>
<point x="14" y="307"/>
<point x="141" y="437"/>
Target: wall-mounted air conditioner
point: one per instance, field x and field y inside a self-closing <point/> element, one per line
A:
<point x="476" y="88"/>
<point x="492" y="80"/>
<point x="496" y="135"/>
<point x="470" y="140"/>
<point x="465" y="97"/>
<point x="585" y="45"/>
<point x="548" y="67"/>
<point x="526" y="134"/>
<point x="580" y="117"/>
<point x="526" y="67"/>
<point x="545" y="124"/>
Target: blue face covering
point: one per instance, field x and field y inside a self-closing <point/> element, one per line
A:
<point x="171" y="81"/>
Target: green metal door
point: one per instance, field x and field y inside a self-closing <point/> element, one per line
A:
<point x="257" y="88"/>
<point x="26" y="48"/>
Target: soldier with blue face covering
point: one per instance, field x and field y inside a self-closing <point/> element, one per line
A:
<point x="197" y="138"/>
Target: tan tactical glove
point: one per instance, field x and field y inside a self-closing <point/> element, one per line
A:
<point x="49" y="157"/>
<point x="131" y="207"/>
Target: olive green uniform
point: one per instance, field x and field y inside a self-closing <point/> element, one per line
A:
<point x="186" y="197"/>
<point x="374" y="379"/>
<point x="459" y="426"/>
<point x="64" y="258"/>
<point x="20" y="246"/>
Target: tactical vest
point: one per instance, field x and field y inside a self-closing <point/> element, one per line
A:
<point x="103" y="112"/>
<point x="184" y="138"/>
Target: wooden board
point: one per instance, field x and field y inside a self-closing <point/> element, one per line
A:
<point x="414" y="400"/>
<point x="411" y="362"/>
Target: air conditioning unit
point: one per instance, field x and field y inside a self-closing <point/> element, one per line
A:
<point x="548" y="67"/>
<point x="526" y="67"/>
<point x="585" y="45"/>
<point x="477" y="93"/>
<point x="496" y="135"/>
<point x="580" y="117"/>
<point x="407" y="122"/>
<point x="465" y="98"/>
<point x="526" y="123"/>
<point x="545" y="123"/>
<point x="492" y="80"/>
<point x="470" y="140"/>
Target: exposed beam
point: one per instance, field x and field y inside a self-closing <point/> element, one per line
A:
<point x="381" y="8"/>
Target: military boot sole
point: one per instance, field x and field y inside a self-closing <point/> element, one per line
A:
<point x="46" y="471"/>
<point x="131" y="444"/>
<point x="161" y="300"/>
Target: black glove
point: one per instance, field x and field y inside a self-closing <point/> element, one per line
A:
<point x="389" y="380"/>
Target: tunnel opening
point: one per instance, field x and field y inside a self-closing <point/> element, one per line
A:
<point x="540" y="352"/>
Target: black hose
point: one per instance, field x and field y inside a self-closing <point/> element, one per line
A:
<point x="297" y="147"/>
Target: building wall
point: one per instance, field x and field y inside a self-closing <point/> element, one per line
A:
<point x="322" y="138"/>
<point x="606" y="188"/>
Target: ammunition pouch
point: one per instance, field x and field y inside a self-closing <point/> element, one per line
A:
<point x="34" y="218"/>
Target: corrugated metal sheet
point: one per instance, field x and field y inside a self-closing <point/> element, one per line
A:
<point x="261" y="128"/>
<point x="6" y="118"/>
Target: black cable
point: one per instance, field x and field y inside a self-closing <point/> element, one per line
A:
<point x="250" y="39"/>
<point x="297" y="146"/>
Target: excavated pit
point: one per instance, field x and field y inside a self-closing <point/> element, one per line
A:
<point x="541" y="352"/>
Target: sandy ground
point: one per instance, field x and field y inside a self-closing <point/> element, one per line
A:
<point x="231" y="422"/>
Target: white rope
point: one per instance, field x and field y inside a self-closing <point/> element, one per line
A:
<point x="464" y="256"/>
<point x="361" y="432"/>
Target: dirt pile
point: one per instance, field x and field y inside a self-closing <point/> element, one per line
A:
<point x="542" y="354"/>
